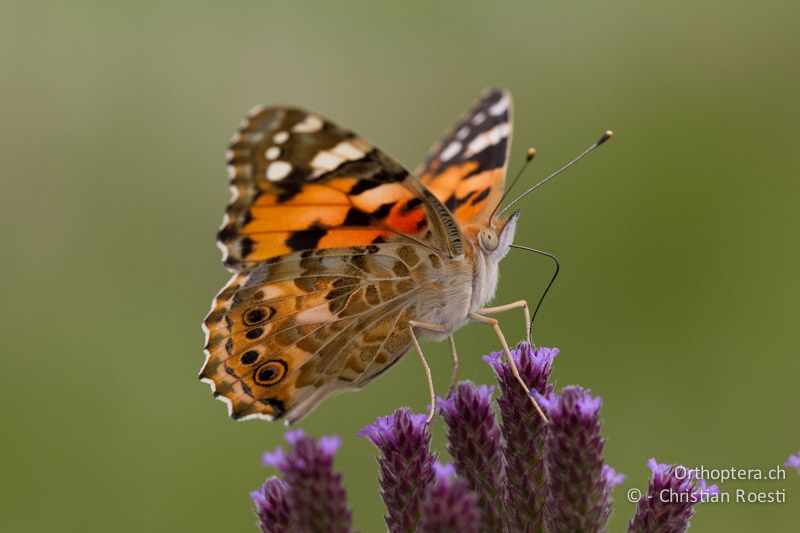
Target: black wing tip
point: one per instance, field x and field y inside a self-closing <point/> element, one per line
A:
<point x="493" y="94"/>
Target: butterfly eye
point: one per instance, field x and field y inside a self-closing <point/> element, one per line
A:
<point x="270" y="373"/>
<point x="488" y="240"/>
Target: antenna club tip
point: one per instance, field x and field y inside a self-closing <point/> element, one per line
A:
<point x="531" y="153"/>
<point x="606" y="136"/>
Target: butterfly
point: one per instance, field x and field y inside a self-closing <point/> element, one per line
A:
<point x="341" y="258"/>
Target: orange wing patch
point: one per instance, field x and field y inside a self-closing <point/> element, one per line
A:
<point x="326" y="215"/>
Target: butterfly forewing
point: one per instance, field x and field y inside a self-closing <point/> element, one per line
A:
<point x="466" y="169"/>
<point x="301" y="182"/>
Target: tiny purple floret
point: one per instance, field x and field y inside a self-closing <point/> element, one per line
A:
<point x="793" y="462"/>
<point x="611" y="477"/>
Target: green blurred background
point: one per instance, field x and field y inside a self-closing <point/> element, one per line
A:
<point x="679" y="297"/>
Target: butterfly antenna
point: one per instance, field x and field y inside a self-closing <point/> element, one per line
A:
<point x="603" y="138"/>
<point x="528" y="158"/>
<point x="550" y="284"/>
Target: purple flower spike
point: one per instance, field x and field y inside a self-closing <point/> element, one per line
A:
<point x="523" y="433"/>
<point x="793" y="461"/>
<point x="611" y="477"/>
<point x="272" y="506"/>
<point x="579" y="486"/>
<point x="671" y="496"/>
<point x="317" y="500"/>
<point x="474" y="443"/>
<point x="450" y="505"/>
<point x="406" y="465"/>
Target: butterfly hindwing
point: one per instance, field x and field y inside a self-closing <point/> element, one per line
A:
<point x="466" y="169"/>
<point x="301" y="182"/>
<point x="285" y="334"/>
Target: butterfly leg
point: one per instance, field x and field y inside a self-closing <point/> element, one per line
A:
<point x="514" y="305"/>
<point x="493" y="322"/>
<point x="454" y="355"/>
<point x="430" y="327"/>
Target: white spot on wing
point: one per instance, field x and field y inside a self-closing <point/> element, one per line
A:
<point x="500" y="107"/>
<point x="348" y="151"/>
<point x="272" y="153"/>
<point x="280" y="137"/>
<point x="477" y="145"/>
<point x="278" y="170"/>
<point x="479" y="118"/>
<point x="327" y="161"/>
<point x="309" y="125"/>
<point x="463" y="133"/>
<point x="489" y="138"/>
<point x="451" y="151"/>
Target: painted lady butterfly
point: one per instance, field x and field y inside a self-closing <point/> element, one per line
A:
<point x="340" y="257"/>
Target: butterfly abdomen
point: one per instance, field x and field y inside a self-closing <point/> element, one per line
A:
<point x="445" y="293"/>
